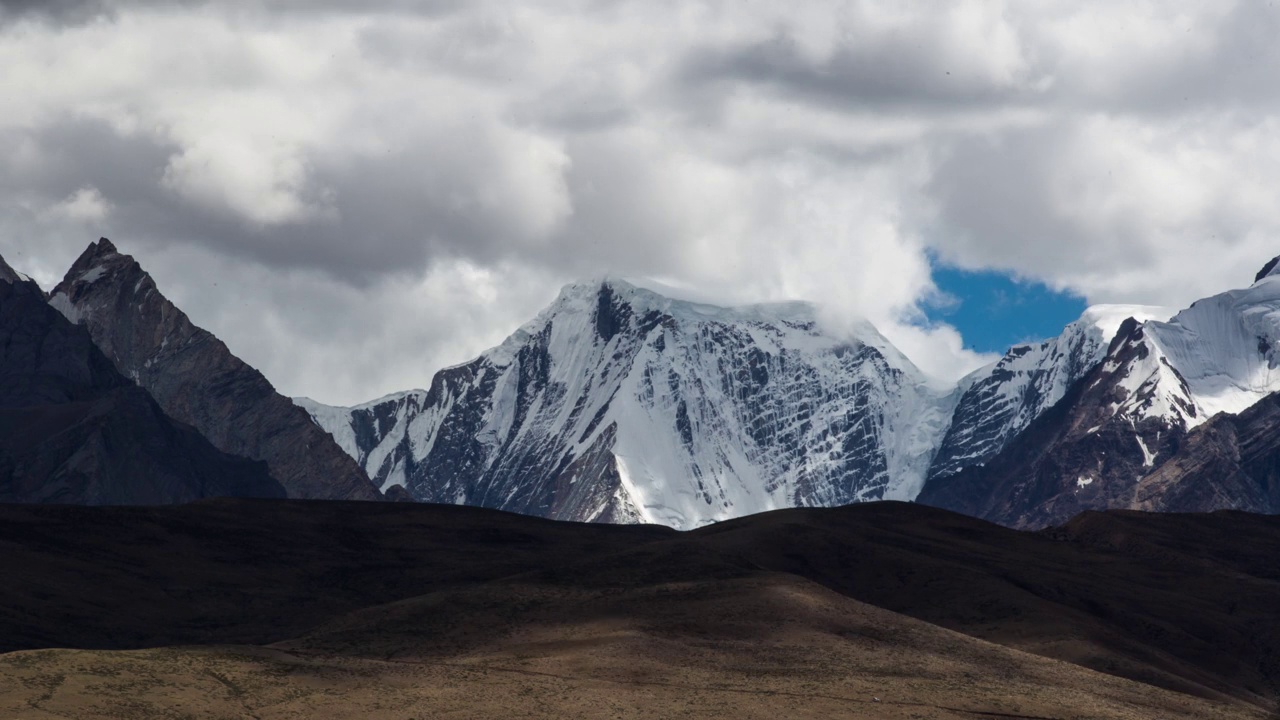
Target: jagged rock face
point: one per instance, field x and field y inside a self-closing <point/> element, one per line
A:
<point x="197" y="380"/>
<point x="1088" y="451"/>
<point x="73" y="430"/>
<point x="999" y="401"/>
<point x="1268" y="269"/>
<point x="620" y="405"/>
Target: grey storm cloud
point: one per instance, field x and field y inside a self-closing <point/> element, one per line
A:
<point x="78" y="11"/>
<point x="999" y="203"/>
<point x="59" y="11"/>
<point x="385" y="187"/>
<point x="379" y="214"/>
<point x="892" y="71"/>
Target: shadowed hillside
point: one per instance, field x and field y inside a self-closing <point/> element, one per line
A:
<point x="380" y="594"/>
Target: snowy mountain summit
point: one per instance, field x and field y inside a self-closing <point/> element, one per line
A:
<point x="620" y="404"/>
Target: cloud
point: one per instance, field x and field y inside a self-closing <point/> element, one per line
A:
<point x="55" y="11"/>
<point x="866" y="56"/>
<point x="381" y="188"/>
<point x="1115" y="208"/>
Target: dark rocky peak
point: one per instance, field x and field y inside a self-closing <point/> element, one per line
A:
<point x="1130" y="333"/>
<point x="8" y="274"/>
<point x="44" y="360"/>
<point x="1268" y="270"/>
<point x="102" y="249"/>
<point x="74" y="430"/>
<point x="100" y="256"/>
<point x="196" y="378"/>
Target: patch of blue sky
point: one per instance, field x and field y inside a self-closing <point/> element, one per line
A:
<point x="996" y="310"/>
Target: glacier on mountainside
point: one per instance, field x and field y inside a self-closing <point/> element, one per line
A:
<point x="1226" y="347"/>
<point x="1220" y="355"/>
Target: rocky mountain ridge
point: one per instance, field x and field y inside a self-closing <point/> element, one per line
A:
<point x="198" y="381"/>
<point x="620" y="404"/>
<point x="1134" y="381"/>
<point x="1000" y="400"/>
<point x="73" y="430"/>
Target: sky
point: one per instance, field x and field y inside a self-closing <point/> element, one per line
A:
<point x="353" y="194"/>
<point x="994" y="310"/>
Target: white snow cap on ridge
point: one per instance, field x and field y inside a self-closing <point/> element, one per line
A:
<point x="1227" y="347"/>
<point x="1108" y="318"/>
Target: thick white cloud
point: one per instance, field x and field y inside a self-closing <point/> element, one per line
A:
<point x="381" y="188"/>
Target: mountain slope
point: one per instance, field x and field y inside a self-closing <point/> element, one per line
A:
<point x="1131" y="415"/>
<point x="619" y="404"/>
<point x="197" y="380"/>
<point x="1226" y="347"/>
<point x="1232" y="461"/>
<point x="74" y="431"/>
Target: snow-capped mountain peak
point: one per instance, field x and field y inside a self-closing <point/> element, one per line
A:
<point x="620" y="403"/>
<point x="1128" y="418"/>
<point x="999" y="401"/>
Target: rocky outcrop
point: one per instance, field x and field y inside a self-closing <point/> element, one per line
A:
<point x="198" y="381"/>
<point x="1231" y="462"/>
<point x="73" y="430"/>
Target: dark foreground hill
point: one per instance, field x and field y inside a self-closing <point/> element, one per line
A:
<point x="318" y="609"/>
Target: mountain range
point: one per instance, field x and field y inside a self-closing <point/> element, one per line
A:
<point x="1177" y="416"/>
<point x="622" y="404"/>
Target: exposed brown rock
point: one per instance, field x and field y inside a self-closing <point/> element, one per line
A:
<point x="1231" y="462"/>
